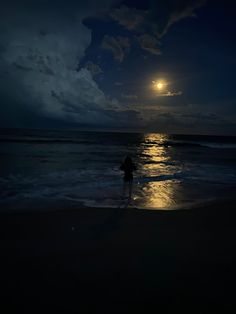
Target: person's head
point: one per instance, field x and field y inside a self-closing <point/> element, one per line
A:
<point x="128" y="159"/>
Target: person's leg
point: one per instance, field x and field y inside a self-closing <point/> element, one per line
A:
<point x="124" y="188"/>
<point x="130" y="189"/>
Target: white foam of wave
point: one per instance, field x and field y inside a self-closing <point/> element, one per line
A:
<point x="97" y="188"/>
<point x="71" y="184"/>
<point x="220" y="145"/>
<point x="200" y="143"/>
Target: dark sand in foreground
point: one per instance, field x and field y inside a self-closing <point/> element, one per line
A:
<point x="119" y="261"/>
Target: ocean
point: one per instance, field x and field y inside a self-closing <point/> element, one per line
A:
<point x="68" y="168"/>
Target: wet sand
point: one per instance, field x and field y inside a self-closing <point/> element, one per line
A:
<point x="119" y="260"/>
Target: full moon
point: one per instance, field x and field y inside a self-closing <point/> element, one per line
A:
<point x="160" y="85"/>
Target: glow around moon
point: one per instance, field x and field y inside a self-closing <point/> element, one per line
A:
<point x="161" y="88"/>
<point x="159" y="85"/>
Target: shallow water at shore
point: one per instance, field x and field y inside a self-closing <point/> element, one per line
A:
<point x="40" y="166"/>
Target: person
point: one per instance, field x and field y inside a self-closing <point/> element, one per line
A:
<point x="128" y="167"/>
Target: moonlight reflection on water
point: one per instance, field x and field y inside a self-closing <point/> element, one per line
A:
<point x="156" y="164"/>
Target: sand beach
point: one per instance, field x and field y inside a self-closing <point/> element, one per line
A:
<point x="102" y="260"/>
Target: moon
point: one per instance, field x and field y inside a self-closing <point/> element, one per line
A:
<point x="160" y="85"/>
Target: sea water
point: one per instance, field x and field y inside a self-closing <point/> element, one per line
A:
<point x="49" y="168"/>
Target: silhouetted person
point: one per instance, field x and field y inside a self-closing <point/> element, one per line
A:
<point x="128" y="167"/>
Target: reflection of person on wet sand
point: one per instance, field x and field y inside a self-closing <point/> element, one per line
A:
<point x="128" y="167"/>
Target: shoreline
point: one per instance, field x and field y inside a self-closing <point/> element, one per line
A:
<point x="64" y="205"/>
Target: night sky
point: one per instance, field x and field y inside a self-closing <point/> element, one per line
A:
<point x="163" y="66"/>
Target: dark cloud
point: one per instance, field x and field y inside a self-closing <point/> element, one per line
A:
<point x="169" y="94"/>
<point x="117" y="45"/>
<point x="21" y="67"/>
<point x="187" y="10"/>
<point x="43" y="32"/>
<point x="130" y="18"/>
<point x="129" y="96"/>
<point x="149" y="43"/>
<point x="93" y="68"/>
<point x="185" y="120"/>
<point x="149" y="25"/>
<point x="118" y="84"/>
<point x="40" y="50"/>
<point x="155" y="21"/>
